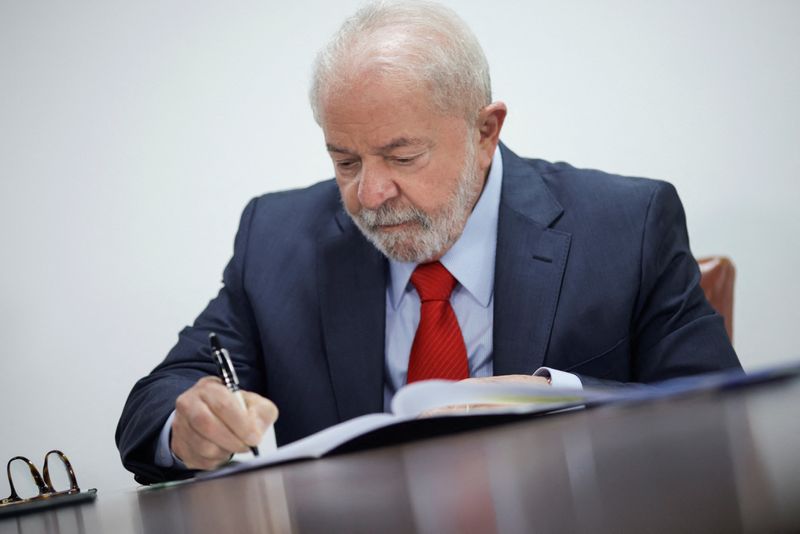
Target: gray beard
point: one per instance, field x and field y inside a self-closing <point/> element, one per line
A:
<point x="429" y="236"/>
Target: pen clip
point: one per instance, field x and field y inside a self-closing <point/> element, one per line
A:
<point x="224" y="364"/>
<point x="230" y="372"/>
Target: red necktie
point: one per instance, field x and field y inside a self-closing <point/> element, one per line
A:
<point x="438" y="350"/>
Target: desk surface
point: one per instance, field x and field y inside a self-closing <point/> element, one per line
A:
<point x="713" y="462"/>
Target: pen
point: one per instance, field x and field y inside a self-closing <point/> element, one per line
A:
<point x="227" y="373"/>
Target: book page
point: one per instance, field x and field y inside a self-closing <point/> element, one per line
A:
<point x="313" y="446"/>
<point x="411" y="402"/>
<point x="493" y="397"/>
<point x="318" y="444"/>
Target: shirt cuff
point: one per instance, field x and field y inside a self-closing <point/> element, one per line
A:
<point x="560" y="379"/>
<point x="164" y="456"/>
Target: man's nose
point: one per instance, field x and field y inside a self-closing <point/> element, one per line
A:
<point x="375" y="187"/>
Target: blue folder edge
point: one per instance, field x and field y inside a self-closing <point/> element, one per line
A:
<point x="719" y="381"/>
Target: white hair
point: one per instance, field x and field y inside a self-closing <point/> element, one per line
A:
<point x="416" y="43"/>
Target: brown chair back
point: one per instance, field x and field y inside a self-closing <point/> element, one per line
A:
<point x="717" y="275"/>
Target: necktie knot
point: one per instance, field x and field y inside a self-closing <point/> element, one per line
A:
<point x="433" y="281"/>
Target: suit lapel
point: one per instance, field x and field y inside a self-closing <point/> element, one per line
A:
<point x="352" y="286"/>
<point x="529" y="268"/>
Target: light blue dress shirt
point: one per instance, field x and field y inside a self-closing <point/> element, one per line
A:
<point x="471" y="261"/>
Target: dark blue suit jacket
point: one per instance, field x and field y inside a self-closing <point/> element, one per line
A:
<point x="593" y="276"/>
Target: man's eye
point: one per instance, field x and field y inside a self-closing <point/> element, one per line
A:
<point x="405" y="160"/>
<point x="346" y="165"/>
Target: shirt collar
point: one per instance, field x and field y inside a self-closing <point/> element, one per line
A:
<point x="471" y="258"/>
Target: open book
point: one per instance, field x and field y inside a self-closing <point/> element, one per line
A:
<point x="490" y="404"/>
<point x="416" y="413"/>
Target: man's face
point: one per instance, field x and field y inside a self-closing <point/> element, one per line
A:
<point x="408" y="176"/>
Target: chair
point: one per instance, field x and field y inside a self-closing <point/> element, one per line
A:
<point x="717" y="275"/>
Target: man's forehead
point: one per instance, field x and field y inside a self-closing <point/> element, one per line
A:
<point x="391" y="144"/>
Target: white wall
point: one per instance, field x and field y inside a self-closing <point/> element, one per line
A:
<point x="133" y="133"/>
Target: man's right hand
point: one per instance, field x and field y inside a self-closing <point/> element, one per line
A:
<point x="210" y="423"/>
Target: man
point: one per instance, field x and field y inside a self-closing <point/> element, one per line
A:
<point x="440" y="254"/>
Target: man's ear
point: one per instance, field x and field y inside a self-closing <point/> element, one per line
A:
<point x="490" y="122"/>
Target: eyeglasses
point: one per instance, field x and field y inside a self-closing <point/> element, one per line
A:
<point x="26" y="487"/>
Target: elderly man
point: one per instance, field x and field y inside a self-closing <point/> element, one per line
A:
<point x="436" y="253"/>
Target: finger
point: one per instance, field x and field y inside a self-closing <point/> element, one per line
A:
<point x="228" y="409"/>
<point x="209" y="378"/>
<point x="263" y="409"/>
<point x="195" y="451"/>
<point x="200" y="417"/>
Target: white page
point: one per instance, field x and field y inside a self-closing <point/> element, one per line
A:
<point x="505" y="397"/>
<point x="313" y="446"/>
<point x="267" y="446"/>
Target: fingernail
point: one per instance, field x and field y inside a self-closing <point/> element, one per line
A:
<point x="253" y="439"/>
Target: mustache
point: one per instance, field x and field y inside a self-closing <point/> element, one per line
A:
<point x="388" y="215"/>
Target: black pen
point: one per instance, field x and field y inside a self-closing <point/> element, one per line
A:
<point x="227" y="373"/>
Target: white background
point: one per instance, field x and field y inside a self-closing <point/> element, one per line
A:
<point x="133" y="133"/>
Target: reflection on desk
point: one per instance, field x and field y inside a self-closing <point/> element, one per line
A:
<point x="712" y="462"/>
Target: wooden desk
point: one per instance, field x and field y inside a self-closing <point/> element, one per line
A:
<point x="716" y="462"/>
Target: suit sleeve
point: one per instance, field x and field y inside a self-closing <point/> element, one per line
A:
<point x="674" y="330"/>
<point x="152" y="398"/>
